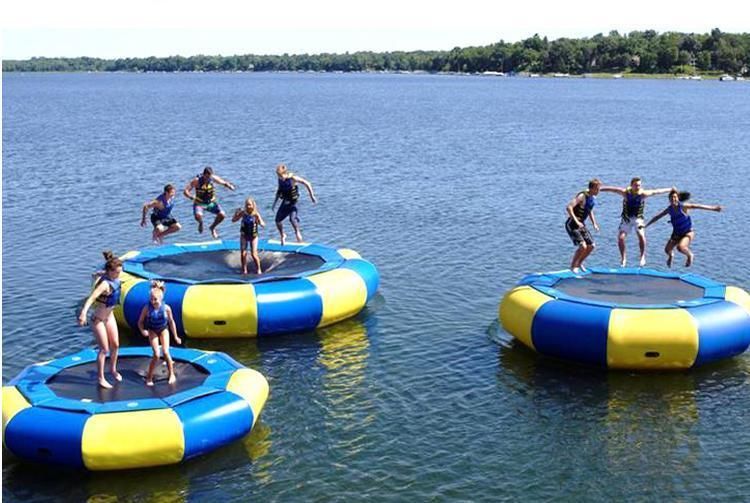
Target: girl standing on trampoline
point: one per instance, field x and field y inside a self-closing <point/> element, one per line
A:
<point x="682" y="225"/>
<point x="105" y="296"/>
<point x="251" y="219"/>
<point x="288" y="192"/>
<point x="156" y="322"/>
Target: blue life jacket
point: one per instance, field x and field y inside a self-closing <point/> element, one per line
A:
<point x="681" y="221"/>
<point x="156" y="319"/>
<point x="249" y="225"/>
<point x="161" y="214"/>
<point x="583" y="212"/>
<point x="113" y="297"/>
<point x="288" y="190"/>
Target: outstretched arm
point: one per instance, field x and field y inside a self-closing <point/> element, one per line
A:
<point x="308" y="186"/>
<point x="221" y="181"/>
<point x="658" y="216"/>
<point x="616" y="190"/>
<point x="653" y="192"/>
<point x="709" y="207"/>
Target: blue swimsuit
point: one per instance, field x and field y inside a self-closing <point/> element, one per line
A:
<point x="681" y="222"/>
<point x="249" y="227"/>
<point x="113" y="297"/>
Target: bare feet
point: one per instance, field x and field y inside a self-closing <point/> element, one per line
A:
<point x="583" y="269"/>
<point x="575" y="270"/>
<point x="104" y="384"/>
<point x="244" y="272"/>
<point x="670" y="257"/>
<point x="214" y="233"/>
<point x="149" y="382"/>
<point x="118" y="376"/>
<point x="283" y="239"/>
<point x="690" y="259"/>
<point x="643" y="260"/>
<point x="200" y="227"/>
<point x="172" y="379"/>
<point x="623" y="262"/>
<point x="298" y="235"/>
<point x="259" y="272"/>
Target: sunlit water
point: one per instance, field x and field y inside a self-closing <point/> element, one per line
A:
<point x="454" y="187"/>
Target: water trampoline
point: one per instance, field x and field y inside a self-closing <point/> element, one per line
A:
<point x="56" y="413"/>
<point x="303" y="287"/>
<point x="628" y="318"/>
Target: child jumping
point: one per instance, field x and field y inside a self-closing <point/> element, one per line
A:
<point x="156" y="322"/>
<point x="251" y="219"/>
<point x="161" y="215"/>
<point x="288" y="192"/>
<point x="682" y="225"/>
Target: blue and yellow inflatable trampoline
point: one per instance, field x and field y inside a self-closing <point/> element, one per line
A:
<point x="56" y="413"/>
<point x="628" y="318"/>
<point x="303" y="287"/>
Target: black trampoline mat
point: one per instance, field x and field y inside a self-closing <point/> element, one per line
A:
<point x="211" y="265"/>
<point x="80" y="382"/>
<point x="629" y="289"/>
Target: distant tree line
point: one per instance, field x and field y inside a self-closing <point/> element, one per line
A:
<point x="638" y="51"/>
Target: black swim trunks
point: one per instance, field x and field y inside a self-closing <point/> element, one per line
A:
<point x="678" y="237"/>
<point x="166" y="222"/>
<point x="577" y="234"/>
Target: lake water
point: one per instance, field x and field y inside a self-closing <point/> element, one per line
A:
<point x="455" y="187"/>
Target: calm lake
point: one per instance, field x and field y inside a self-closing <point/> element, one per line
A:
<point x="454" y="187"/>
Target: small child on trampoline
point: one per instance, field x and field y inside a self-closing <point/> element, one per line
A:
<point x="156" y="322"/>
<point x="251" y="219"/>
<point x="682" y="225"/>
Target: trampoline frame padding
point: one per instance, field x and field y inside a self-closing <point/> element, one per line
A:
<point x="263" y="305"/>
<point x="41" y="426"/>
<point x="680" y="334"/>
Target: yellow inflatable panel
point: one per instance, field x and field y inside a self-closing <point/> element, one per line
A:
<point x="343" y="293"/>
<point x="739" y="297"/>
<point x="252" y="387"/>
<point x="517" y="311"/>
<point x="13" y="403"/>
<point x="220" y="311"/>
<point x="348" y="254"/>
<point x="651" y="339"/>
<point x="128" y="281"/>
<point x="132" y="439"/>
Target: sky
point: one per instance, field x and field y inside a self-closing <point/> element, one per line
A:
<point x="141" y="28"/>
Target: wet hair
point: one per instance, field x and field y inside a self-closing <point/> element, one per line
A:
<point x="208" y="170"/>
<point x="158" y="285"/>
<point x="281" y="168"/>
<point x="111" y="261"/>
<point x="251" y="200"/>
<point x="594" y="182"/>
<point x="635" y="179"/>
<point x="682" y="196"/>
<point x="168" y="187"/>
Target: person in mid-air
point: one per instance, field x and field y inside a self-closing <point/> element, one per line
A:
<point x="288" y="192"/>
<point x="161" y="215"/>
<point x="251" y="219"/>
<point x="633" y="206"/>
<point x="205" y="198"/>
<point x="579" y="209"/>
<point x="682" y="225"/>
<point x="155" y="323"/>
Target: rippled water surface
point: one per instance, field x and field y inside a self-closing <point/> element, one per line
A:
<point x="454" y="187"/>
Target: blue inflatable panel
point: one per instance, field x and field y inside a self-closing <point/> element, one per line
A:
<point x="47" y="436"/>
<point x="724" y="331"/>
<point x="326" y="253"/>
<point x="213" y="421"/>
<point x="578" y="334"/>
<point x="367" y="272"/>
<point x="134" y="301"/>
<point x="83" y="356"/>
<point x="34" y="374"/>
<point x="214" y="363"/>
<point x="288" y="306"/>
